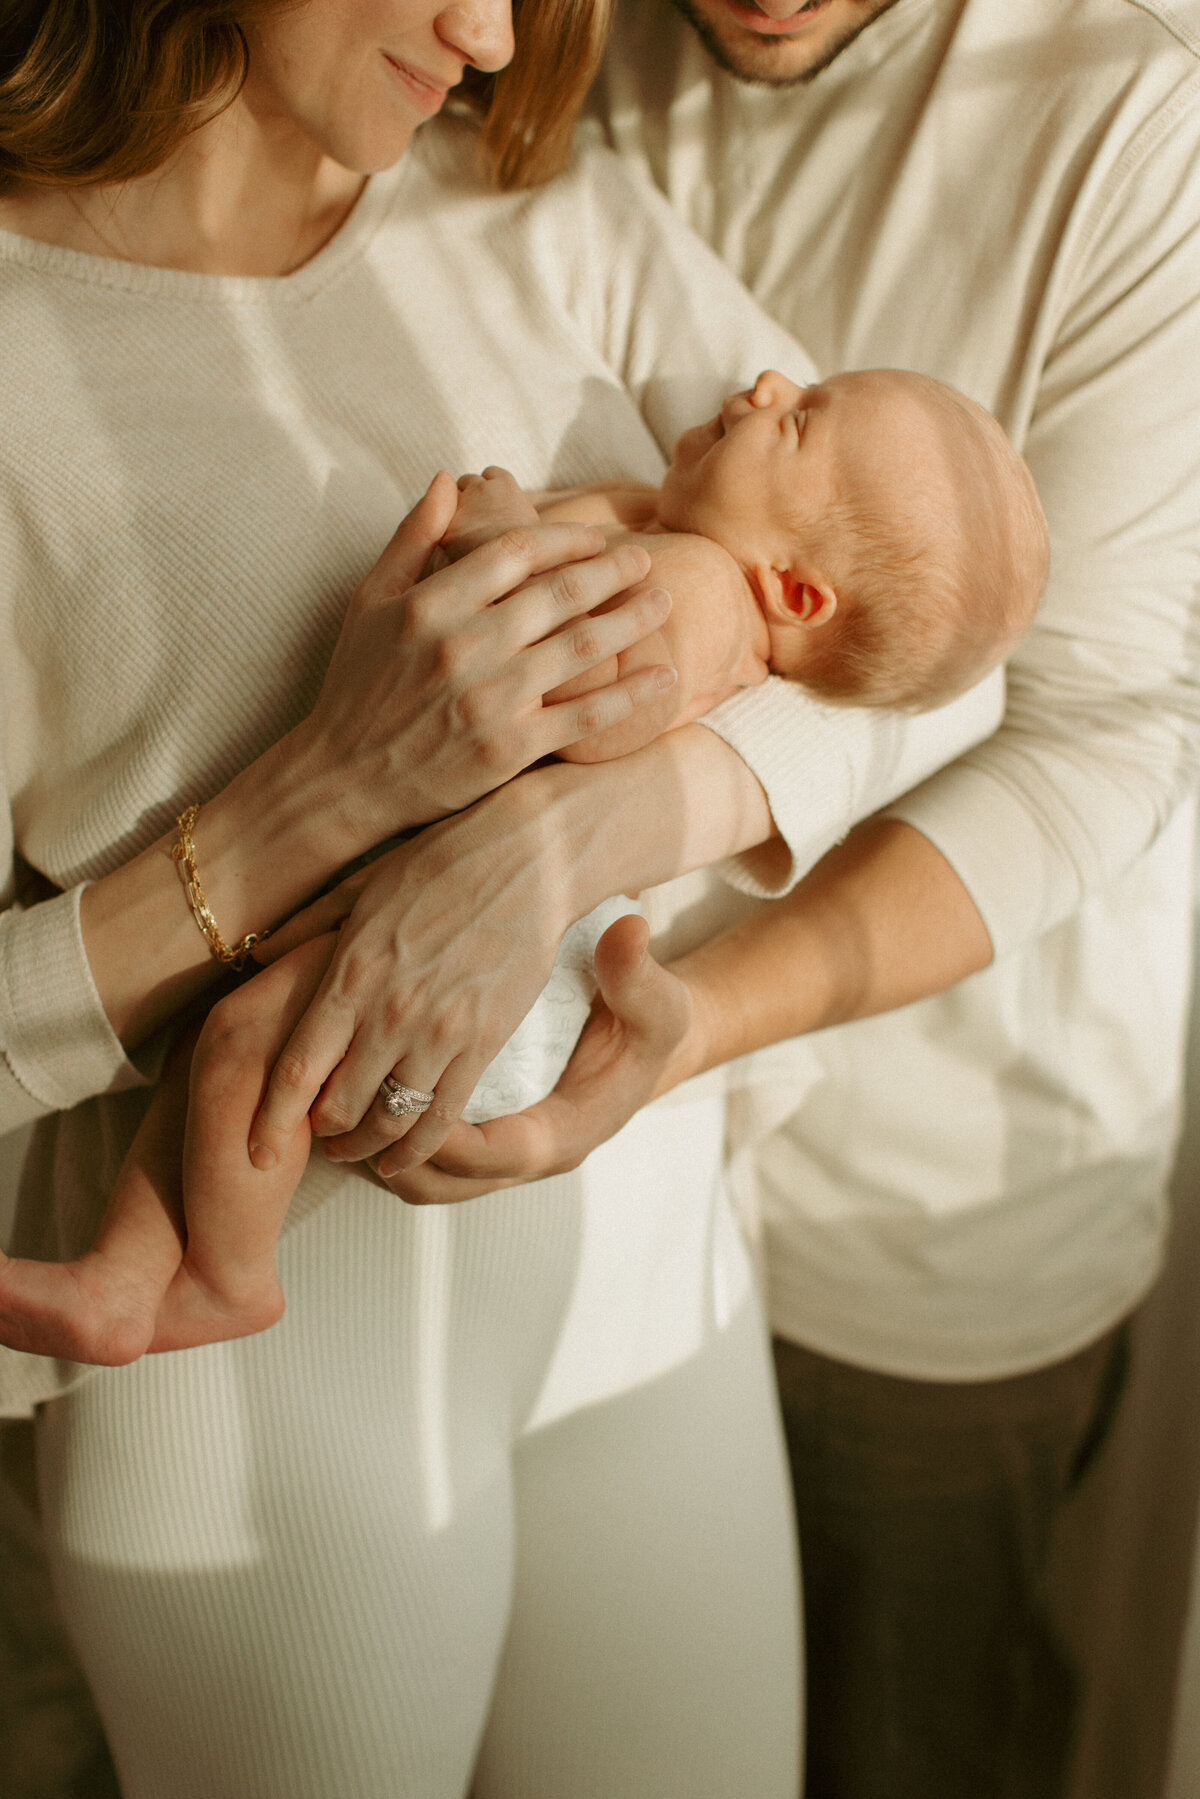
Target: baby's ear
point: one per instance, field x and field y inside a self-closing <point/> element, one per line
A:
<point x="795" y="599"/>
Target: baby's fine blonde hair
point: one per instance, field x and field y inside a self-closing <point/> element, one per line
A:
<point x="935" y="590"/>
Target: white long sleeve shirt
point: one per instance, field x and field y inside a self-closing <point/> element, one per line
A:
<point x="196" y="470"/>
<point x="1004" y="194"/>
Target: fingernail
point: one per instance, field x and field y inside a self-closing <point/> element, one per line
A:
<point x="660" y="600"/>
<point x="262" y="1157"/>
<point x="666" y="677"/>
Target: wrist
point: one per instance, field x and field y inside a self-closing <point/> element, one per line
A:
<point x="576" y="812"/>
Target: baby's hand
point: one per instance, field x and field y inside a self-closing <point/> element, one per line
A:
<point x="489" y="505"/>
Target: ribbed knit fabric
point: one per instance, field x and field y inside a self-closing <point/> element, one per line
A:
<point x="493" y="1479"/>
<point x="195" y="472"/>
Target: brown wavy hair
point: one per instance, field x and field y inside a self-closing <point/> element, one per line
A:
<point x="96" y="91"/>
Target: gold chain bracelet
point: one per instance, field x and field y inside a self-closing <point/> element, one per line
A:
<point x="184" y="853"/>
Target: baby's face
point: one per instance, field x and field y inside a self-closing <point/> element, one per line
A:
<point x="751" y="476"/>
<point x="756" y="477"/>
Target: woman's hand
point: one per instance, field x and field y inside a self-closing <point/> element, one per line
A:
<point x="434" y="694"/>
<point x="446" y="943"/>
<point x="643" y="1038"/>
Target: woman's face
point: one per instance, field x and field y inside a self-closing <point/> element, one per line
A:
<point x="356" y="77"/>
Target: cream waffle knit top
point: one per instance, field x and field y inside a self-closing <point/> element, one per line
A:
<point x="196" y="470"/>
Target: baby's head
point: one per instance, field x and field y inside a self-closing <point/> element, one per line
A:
<point x="891" y="534"/>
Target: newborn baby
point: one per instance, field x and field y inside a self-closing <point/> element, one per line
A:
<point x="874" y="537"/>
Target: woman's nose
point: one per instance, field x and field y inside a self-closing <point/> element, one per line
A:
<point x="479" y="30"/>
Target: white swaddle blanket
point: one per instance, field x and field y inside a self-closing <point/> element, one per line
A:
<point x="528" y="1066"/>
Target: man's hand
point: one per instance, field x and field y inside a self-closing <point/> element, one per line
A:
<point x="634" y="1047"/>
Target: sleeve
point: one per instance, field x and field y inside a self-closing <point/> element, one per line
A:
<point x="1101" y="735"/>
<point x="682" y="331"/>
<point x="824" y="768"/>
<point x="57" y="1046"/>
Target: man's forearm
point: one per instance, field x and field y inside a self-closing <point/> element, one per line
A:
<point x="881" y="921"/>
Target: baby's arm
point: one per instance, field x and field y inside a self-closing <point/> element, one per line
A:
<point x="630" y="505"/>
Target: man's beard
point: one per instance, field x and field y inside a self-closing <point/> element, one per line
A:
<point x="750" y="69"/>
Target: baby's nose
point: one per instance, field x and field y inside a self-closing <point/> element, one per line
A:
<point x="774" y="389"/>
<point x="737" y="406"/>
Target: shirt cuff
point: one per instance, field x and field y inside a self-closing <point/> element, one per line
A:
<point x="825" y="767"/>
<point x="56" y="1041"/>
<point x="803" y="753"/>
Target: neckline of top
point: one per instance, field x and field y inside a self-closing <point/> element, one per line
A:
<point x="345" y="246"/>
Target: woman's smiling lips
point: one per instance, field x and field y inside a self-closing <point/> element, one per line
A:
<point x="424" y="89"/>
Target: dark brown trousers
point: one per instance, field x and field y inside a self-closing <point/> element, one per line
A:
<point x="926" y="1511"/>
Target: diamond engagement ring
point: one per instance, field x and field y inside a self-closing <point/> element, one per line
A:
<point x="400" y="1101"/>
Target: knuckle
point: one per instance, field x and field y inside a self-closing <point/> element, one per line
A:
<point x="294" y="1072"/>
<point x="350" y="975"/>
<point x="394" y="1014"/>
<point x="498" y="756"/>
<point x="225" y="1035"/>
<point x="570" y="589"/>
<point x="451" y="661"/>
<point x="519" y="542"/>
<point x="418" y="613"/>
<point x="472" y="711"/>
<point x="591" y="715"/>
<point x="587" y="645"/>
<point x="333" y="1116"/>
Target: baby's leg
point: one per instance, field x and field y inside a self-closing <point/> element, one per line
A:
<point x="226" y="1285"/>
<point x="103" y="1306"/>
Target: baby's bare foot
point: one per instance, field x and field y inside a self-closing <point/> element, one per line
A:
<point x="84" y="1311"/>
<point x="489" y="504"/>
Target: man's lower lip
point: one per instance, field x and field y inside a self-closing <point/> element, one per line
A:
<point x="764" y="26"/>
<point x="422" y="92"/>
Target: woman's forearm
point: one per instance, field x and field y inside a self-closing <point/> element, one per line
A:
<point x="433" y="696"/>
<point x="262" y="846"/>
<point x="881" y="921"/>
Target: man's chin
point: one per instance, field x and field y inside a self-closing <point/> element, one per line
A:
<point x="824" y="28"/>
